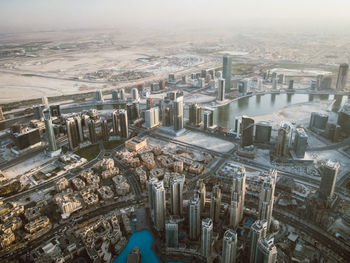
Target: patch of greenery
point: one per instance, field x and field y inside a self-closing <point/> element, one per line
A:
<point x="112" y="144"/>
<point x="242" y="69"/>
<point x="90" y="152"/>
<point x="10" y="188"/>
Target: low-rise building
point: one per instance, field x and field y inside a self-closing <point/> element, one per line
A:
<point x="61" y="184"/>
<point x="37" y="224"/>
<point x="122" y="186"/>
<point x="136" y="143"/>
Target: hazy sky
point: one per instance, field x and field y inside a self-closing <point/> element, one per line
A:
<point x="69" y="14"/>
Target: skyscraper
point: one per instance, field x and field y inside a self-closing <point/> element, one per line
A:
<point x="122" y="95"/>
<point x="99" y="96"/>
<point x="115" y="122"/>
<point x="300" y="142"/>
<point x="221" y="90"/>
<point x="283" y="140"/>
<point x="171" y="234"/>
<point x="72" y="134"/>
<point x="237" y="196"/>
<point x="247" y="131"/>
<point x="105" y="130"/>
<point x="201" y="191"/>
<point x="176" y="188"/>
<point x="267" y="197"/>
<point x="258" y="231"/>
<point x="266" y="251"/>
<point x="215" y="203"/>
<point x="55" y="110"/>
<point x="229" y="247"/>
<point x="45" y="101"/>
<point x="152" y="117"/>
<point x="329" y="174"/>
<point x="49" y="132"/>
<point x="79" y="125"/>
<point x="178" y="113"/>
<point x="92" y="131"/>
<point x="123" y="123"/>
<point x="195" y="112"/>
<point x="207" y="232"/>
<point x="227" y="72"/>
<point x="134" y="94"/>
<point x="195" y="217"/>
<point x="342" y="75"/>
<point x="115" y="95"/>
<point x="1" y="115"/>
<point x="157" y="203"/>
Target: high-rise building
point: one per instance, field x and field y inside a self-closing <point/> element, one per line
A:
<point x="195" y="217"/>
<point x="326" y="83"/>
<point x="195" y="113"/>
<point x="136" y="110"/>
<point x="72" y="134"/>
<point x="171" y="234"/>
<point x="92" y="131"/>
<point x="134" y="94"/>
<point x="266" y="251"/>
<point x="262" y="132"/>
<point x="122" y="95"/>
<point x="215" y="203"/>
<point x="284" y="139"/>
<point x="258" y="231"/>
<point x="123" y="123"/>
<point x="45" y="102"/>
<point x="176" y="188"/>
<point x="156" y="198"/>
<point x="267" y="197"/>
<point x="237" y="196"/>
<point x="208" y="118"/>
<point x="329" y="174"/>
<point x="162" y="84"/>
<point x="178" y="113"/>
<point x="221" y="90"/>
<point x="49" y="132"/>
<point x="2" y="117"/>
<point x="318" y="121"/>
<point x="55" y="110"/>
<point x="38" y="112"/>
<point x="99" y="96"/>
<point x="247" y="131"/>
<point x="300" y="142"/>
<point x="229" y="247"/>
<point x="115" y="95"/>
<point x="291" y="84"/>
<point x="105" y="130"/>
<point x="207" y="232"/>
<point x="201" y="191"/>
<point x="344" y="119"/>
<point x="227" y="72"/>
<point x="342" y="75"/>
<point x="274" y="83"/>
<point x="115" y="122"/>
<point x="79" y="126"/>
<point x="152" y="117"/>
<point x="280" y="78"/>
<point x="203" y="73"/>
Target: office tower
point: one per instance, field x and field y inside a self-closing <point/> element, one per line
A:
<point x="38" y="111"/>
<point x="280" y="78"/>
<point x="99" y="96"/>
<point x="274" y="83"/>
<point x="171" y="234"/>
<point x="267" y="197"/>
<point x="123" y="123"/>
<point x="262" y="132"/>
<point x="92" y="131"/>
<point x="313" y="84"/>
<point x="115" y="122"/>
<point x="229" y="247"/>
<point x="105" y="130"/>
<point x="237" y="196"/>
<point x="171" y="78"/>
<point x="221" y="90"/>
<point x="291" y="84"/>
<point x="122" y="95"/>
<point x="208" y="118"/>
<point x="162" y="84"/>
<point x="136" y="110"/>
<point x="195" y="217"/>
<point x="115" y="95"/>
<point x="218" y="74"/>
<point x="25" y="137"/>
<point x="45" y="102"/>
<point x="243" y="86"/>
<point x="79" y="126"/>
<point x="50" y="135"/>
<point x="211" y="72"/>
<point x="201" y="191"/>
<point x="134" y="94"/>
<point x="207" y="232"/>
<point x="55" y="110"/>
<point x="152" y="117"/>
<point x="266" y="251"/>
<point x="326" y="83"/>
<point x="258" y="231"/>
<point x="318" y="121"/>
<point x="344" y="119"/>
<point x="215" y="203"/>
<point x="342" y="75"/>
<point x="156" y="198"/>
<point x="176" y="187"/>
<point x="284" y="139"/>
<point x="247" y="131"/>
<point x="203" y="73"/>
<point x="2" y="117"/>
<point x="329" y="174"/>
<point x="201" y="83"/>
<point x="183" y="79"/>
<point x="226" y="72"/>
<point x="72" y="134"/>
<point x="300" y="142"/>
<point x="154" y="86"/>
<point x="195" y="112"/>
<point x="178" y="113"/>
<point x="213" y="84"/>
